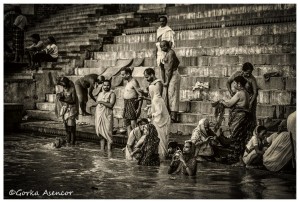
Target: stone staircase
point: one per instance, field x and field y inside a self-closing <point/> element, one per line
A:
<point x="212" y="42"/>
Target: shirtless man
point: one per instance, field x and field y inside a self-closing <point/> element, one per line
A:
<point x="82" y="85"/>
<point x="132" y="106"/>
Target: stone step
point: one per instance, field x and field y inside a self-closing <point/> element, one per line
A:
<point x="227" y="71"/>
<point x="80" y="8"/>
<point x="117" y="16"/>
<point x="124" y="54"/>
<point x="210" y="10"/>
<point x="280" y="39"/>
<point x="231" y="17"/>
<point x="217" y="24"/>
<point x="19" y="76"/>
<point x="274" y="83"/>
<point x="62" y="31"/>
<point x="45" y="106"/>
<point x="263" y="110"/>
<point x="99" y="63"/>
<point x="267" y="29"/>
<point x="87" y="71"/>
<point x="273" y="97"/>
<point x="42" y="115"/>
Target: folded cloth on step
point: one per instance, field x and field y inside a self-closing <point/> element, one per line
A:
<point x="201" y="85"/>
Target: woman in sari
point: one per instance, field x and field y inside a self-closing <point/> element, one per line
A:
<point x="203" y="138"/>
<point x="240" y="120"/>
<point x="160" y="115"/>
<point x="104" y="115"/>
<point x="280" y="150"/>
<point x="148" y="147"/>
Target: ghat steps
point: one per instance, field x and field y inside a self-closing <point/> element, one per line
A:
<point x="212" y="42"/>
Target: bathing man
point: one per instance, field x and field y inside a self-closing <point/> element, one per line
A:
<point x="132" y="106"/>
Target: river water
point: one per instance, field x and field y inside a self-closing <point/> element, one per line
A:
<point x="35" y="170"/>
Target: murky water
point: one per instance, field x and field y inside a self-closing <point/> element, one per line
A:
<point x="33" y="169"/>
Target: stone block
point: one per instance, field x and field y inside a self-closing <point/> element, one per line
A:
<point x="263" y="97"/>
<point x="275" y="83"/>
<point x="216" y="95"/>
<point x="99" y="63"/>
<point x="87" y="71"/>
<point x="184" y="106"/>
<point x="45" y="106"/>
<point x="266" y="111"/>
<point x="290" y="83"/>
<point x="280" y="97"/>
<point x="150" y="62"/>
<point x="50" y="98"/>
<point x="288" y="110"/>
<point x="201" y="107"/>
<point x="260" y="30"/>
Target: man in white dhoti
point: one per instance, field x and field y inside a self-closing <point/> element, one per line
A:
<point x="104" y="115"/>
<point x="160" y="115"/>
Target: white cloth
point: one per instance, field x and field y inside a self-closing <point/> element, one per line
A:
<point x="52" y="50"/>
<point x="160" y="118"/>
<point x="279" y="152"/>
<point x="163" y="33"/>
<point x="104" y="117"/>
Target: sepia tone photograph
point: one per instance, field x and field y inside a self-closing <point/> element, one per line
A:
<point x="149" y="101"/>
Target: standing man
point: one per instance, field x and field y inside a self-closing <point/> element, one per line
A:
<point x="19" y="27"/>
<point x="104" y="115"/>
<point x="132" y="106"/>
<point x="251" y="87"/>
<point x="164" y="32"/>
<point x="84" y="87"/>
<point x="172" y="79"/>
<point x="69" y="110"/>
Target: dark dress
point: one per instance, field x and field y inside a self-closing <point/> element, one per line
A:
<point x="149" y="149"/>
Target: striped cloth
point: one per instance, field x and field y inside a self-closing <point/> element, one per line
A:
<point x="19" y="40"/>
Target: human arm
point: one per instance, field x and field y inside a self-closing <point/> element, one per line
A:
<point x="191" y="168"/>
<point x="138" y="145"/>
<point x="173" y="165"/>
<point x="228" y="84"/>
<point x="231" y="102"/>
<point x="111" y="102"/>
<point x="168" y="66"/>
<point x="255" y="91"/>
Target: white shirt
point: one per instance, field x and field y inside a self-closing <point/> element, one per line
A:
<point x="52" y="50"/>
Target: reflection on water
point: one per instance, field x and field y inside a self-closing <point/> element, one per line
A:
<point x="31" y="164"/>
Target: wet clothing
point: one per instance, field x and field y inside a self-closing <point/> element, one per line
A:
<point x="149" y="149"/>
<point x="130" y="108"/>
<point x="160" y="117"/>
<point x="279" y="153"/>
<point x="250" y="153"/>
<point x="104" y="117"/>
<point x="177" y="167"/>
<point x="240" y="123"/>
<point x="134" y="136"/>
<point x="171" y="63"/>
<point x="200" y="139"/>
